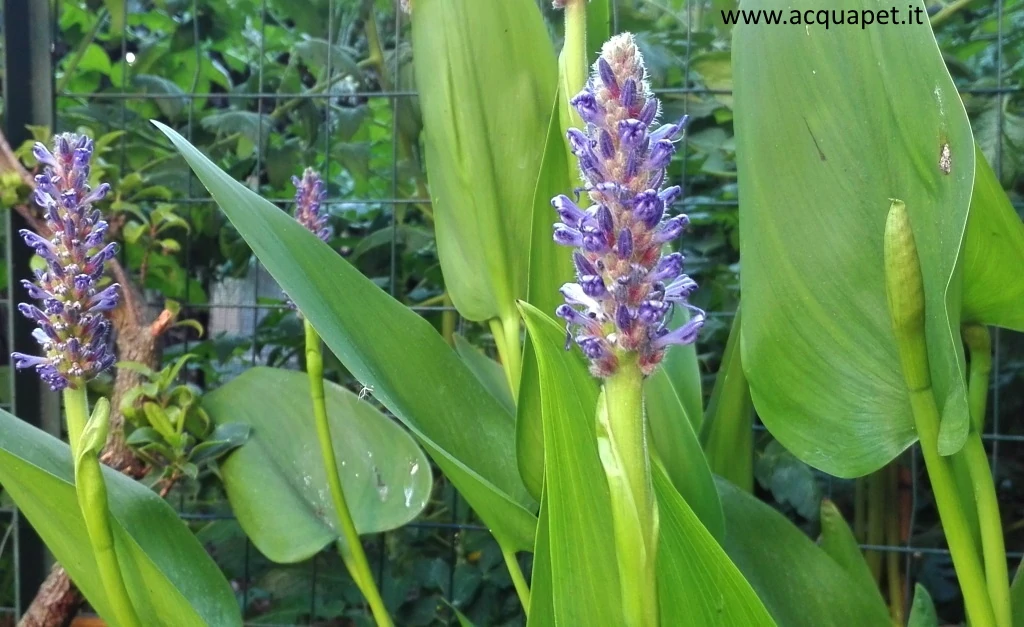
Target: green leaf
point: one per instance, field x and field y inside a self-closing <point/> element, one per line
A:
<point x="488" y="371"/>
<point x="698" y="584"/>
<point x="674" y="436"/>
<point x="831" y="125"/>
<point x="550" y="268"/>
<point x="276" y="483"/>
<point x="314" y="53"/>
<point x="993" y="255"/>
<point x="225" y="437"/>
<point x="922" y="612"/>
<point x="94" y="435"/>
<point x="486" y="76"/>
<point x="157" y="417"/>
<point x="171" y="579"/>
<point x="117" y="16"/>
<point x="173" y="99"/>
<point x="467" y="432"/>
<point x="542" y="608"/>
<point x="816" y="592"/>
<point x="580" y="537"/>
<point x="838" y="541"/>
<point x="1017" y="596"/>
<point x="599" y="27"/>
<point x="727" y="433"/>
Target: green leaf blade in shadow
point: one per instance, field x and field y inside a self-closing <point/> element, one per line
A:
<point x="276" y="482"/>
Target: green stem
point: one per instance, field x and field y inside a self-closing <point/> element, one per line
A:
<point x="506" y="337"/>
<point x="993" y="548"/>
<point x="954" y="522"/>
<point x="622" y="442"/>
<point x="349" y="545"/>
<point x="892" y="558"/>
<point x="860" y="500"/>
<point x="979" y="343"/>
<point x="69" y="69"/>
<point x="522" y="589"/>
<point x="92" y="500"/>
<point x="876" y="522"/>
<point x="948" y="11"/>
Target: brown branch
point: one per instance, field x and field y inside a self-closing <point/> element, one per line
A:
<point x="58" y="599"/>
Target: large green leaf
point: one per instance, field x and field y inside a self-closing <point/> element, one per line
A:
<point x="831" y="125"/>
<point x="391" y="349"/>
<point x="727" y="433"/>
<point x="669" y="403"/>
<point x="816" y="591"/>
<point x="697" y="582"/>
<point x="993" y="255"/>
<point x="487" y="370"/>
<point x="579" y="533"/>
<point x="171" y="579"/>
<point x="486" y="76"/>
<point x="276" y="481"/>
<point x="550" y="267"/>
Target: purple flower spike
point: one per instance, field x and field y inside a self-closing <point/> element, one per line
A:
<point x="625" y="288"/>
<point x="73" y="332"/>
<point x="310" y="192"/>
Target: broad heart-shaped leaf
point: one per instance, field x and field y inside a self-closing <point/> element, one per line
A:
<point x="698" y="584"/>
<point x="993" y="255"/>
<point x="550" y="268"/>
<point x="584" y="572"/>
<point x="171" y="579"/>
<point x="816" y="591"/>
<point x="486" y="76"/>
<point x="418" y="377"/>
<point x="727" y="433"/>
<point x="276" y="482"/>
<point x="671" y="397"/>
<point x="831" y="125"/>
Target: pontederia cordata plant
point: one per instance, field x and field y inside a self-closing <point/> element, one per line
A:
<point x="869" y="264"/>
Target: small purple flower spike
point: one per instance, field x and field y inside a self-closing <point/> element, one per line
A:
<point x="625" y="287"/>
<point x="73" y="332"/>
<point x="309" y="196"/>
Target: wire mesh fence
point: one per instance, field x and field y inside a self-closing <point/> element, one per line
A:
<point x="283" y="94"/>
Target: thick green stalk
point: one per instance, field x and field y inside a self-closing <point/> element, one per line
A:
<point x="979" y="343"/>
<point x="349" y="545"/>
<point x="507" y="338"/>
<point x="876" y="522"/>
<point x="522" y="588"/>
<point x="572" y="67"/>
<point x="905" y="296"/>
<point x="622" y="444"/>
<point x="892" y="558"/>
<point x="92" y="500"/>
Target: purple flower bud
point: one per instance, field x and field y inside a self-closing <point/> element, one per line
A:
<point x="607" y="144"/>
<point x="567" y="236"/>
<point x="671" y="229"/>
<point x="604" y="70"/>
<point x="632" y="132"/>
<point x="595" y="241"/>
<point x="649" y="112"/>
<point x="578" y="142"/>
<point x="593" y="286"/>
<point x="604" y="219"/>
<point x="670" y="194"/>
<point x="661" y="154"/>
<point x="652" y="311"/>
<point x="72" y="314"/>
<point x="667" y="269"/>
<point x="586" y="105"/>
<point x="624" y="244"/>
<point x="623" y="318"/>
<point x="649" y="208"/>
<point x="569" y="211"/>
<point x="583" y="265"/>
<point x="686" y="334"/>
<point x="680" y="289"/>
<point x="628" y="96"/>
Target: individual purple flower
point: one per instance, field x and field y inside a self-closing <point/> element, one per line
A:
<point x="625" y="288"/>
<point x="309" y="197"/>
<point x="73" y="332"/>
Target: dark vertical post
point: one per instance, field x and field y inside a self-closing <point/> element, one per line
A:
<point x="28" y="96"/>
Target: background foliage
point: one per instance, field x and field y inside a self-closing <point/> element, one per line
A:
<point x="266" y="86"/>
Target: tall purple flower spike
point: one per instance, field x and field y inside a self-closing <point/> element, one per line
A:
<point x="625" y="286"/>
<point x="73" y="332"/>
<point x="309" y="197"/>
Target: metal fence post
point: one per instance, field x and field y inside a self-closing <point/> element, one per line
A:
<point x="28" y="98"/>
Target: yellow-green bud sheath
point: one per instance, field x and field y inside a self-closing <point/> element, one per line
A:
<point x="90" y="436"/>
<point x="904" y="287"/>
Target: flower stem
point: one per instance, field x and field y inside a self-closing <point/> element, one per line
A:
<point x="506" y="337"/>
<point x="349" y="545"/>
<point x="92" y="500"/>
<point x="622" y="445"/>
<point x="892" y="532"/>
<point x="993" y="548"/>
<point x="522" y="589"/>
